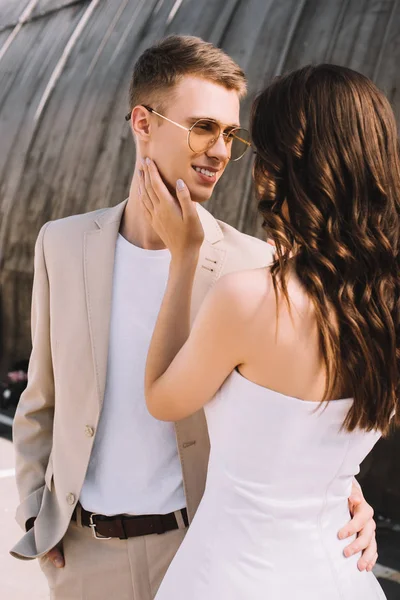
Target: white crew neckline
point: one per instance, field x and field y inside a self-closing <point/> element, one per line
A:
<point x="143" y="252"/>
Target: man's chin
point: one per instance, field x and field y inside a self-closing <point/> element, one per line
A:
<point x="201" y="197"/>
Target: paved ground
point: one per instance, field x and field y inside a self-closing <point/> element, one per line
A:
<point x="23" y="580"/>
<point x="19" y="580"/>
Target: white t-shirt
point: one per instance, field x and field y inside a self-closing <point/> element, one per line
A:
<point x="134" y="467"/>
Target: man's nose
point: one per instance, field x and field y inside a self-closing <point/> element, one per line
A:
<point x="219" y="150"/>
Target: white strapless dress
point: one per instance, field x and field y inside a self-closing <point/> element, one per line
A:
<point x="279" y="477"/>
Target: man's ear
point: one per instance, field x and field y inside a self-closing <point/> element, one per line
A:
<point x="140" y="123"/>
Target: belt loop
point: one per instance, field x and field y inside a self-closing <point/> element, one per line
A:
<point x="179" y="519"/>
<point x="78" y="511"/>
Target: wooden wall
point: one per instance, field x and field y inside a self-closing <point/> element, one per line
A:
<point x="65" y="68"/>
<point x="64" y="74"/>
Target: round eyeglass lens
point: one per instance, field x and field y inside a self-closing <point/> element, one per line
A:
<point x="240" y="142"/>
<point x="203" y="134"/>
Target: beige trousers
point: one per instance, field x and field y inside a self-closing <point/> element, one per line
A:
<point x="113" y="569"/>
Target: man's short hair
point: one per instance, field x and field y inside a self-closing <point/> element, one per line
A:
<point x="164" y="64"/>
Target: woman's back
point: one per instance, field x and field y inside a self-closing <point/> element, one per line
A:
<point x="279" y="476"/>
<point x="281" y="346"/>
<point x="280" y="471"/>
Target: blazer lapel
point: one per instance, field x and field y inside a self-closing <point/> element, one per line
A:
<point x="211" y="260"/>
<point x="99" y="253"/>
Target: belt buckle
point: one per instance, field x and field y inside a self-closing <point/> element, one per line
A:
<point x="92" y="525"/>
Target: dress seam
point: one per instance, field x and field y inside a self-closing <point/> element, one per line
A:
<point x="322" y="511"/>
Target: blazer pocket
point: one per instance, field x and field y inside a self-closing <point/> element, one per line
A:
<point x="48" y="476"/>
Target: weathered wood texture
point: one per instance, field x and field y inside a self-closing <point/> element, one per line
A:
<point x="65" y="68"/>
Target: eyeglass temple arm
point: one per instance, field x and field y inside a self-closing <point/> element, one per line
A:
<point x="128" y="116"/>
<point x="166" y="118"/>
<point x="239" y="138"/>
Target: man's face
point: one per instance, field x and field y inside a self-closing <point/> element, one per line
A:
<point x="193" y="98"/>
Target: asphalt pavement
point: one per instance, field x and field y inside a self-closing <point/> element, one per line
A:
<point x="19" y="580"/>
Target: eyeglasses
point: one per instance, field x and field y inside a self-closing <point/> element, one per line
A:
<point x="204" y="133"/>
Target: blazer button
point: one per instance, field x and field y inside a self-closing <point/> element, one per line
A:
<point x="71" y="499"/>
<point x="89" y="431"/>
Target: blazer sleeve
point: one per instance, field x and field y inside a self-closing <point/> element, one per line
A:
<point x="33" y="422"/>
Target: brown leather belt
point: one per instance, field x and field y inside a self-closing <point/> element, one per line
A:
<point x="126" y="526"/>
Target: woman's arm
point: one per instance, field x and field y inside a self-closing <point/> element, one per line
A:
<point x="173" y="322"/>
<point x="182" y="375"/>
<point x="182" y="372"/>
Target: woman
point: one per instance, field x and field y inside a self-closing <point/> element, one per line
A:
<point x="296" y="365"/>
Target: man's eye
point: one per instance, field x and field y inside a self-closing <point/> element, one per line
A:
<point x="204" y="127"/>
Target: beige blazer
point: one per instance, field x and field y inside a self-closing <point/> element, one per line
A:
<point x="58" y="413"/>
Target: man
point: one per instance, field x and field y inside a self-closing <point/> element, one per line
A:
<point x="106" y="490"/>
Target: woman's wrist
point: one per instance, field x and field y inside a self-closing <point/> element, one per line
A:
<point x="185" y="262"/>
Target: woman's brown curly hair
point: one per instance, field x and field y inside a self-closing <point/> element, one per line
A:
<point x="327" y="153"/>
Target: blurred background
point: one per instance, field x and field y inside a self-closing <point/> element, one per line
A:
<point x="65" y="68"/>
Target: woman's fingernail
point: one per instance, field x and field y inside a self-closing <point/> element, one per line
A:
<point x="148" y="161"/>
<point x="180" y="184"/>
<point x="58" y="562"/>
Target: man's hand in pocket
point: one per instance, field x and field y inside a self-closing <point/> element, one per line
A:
<point x="56" y="557"/>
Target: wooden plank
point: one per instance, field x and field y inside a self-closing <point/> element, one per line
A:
<point x="359" y="40"/>
<point x="387" y="65"/>
<point x="22" y="82"/>
<point x="10" y="11"/>
<point x="22" y="11"/>
<point x="45" y="6"/>
<point x="78" y="154"/>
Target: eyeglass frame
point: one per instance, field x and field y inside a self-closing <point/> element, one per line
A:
<point x="189" y="129"/>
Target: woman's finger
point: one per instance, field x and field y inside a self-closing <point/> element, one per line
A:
<point x="141" y="187"/>
<point x="158" y="186"/>
<point x="189" y="212"/>
<point x="147" y="212"/>
<point x="363" y="542"/>
<point x="362" y="515"/>
<point x="146" y="201"/>
<point x="372" y="563"/>
<point x="148" y="183"/>
<point x="368" y="556"/>
<point x="188" y="207"/>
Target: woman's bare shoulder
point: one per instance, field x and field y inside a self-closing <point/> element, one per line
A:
<point x="245" y="290"/>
